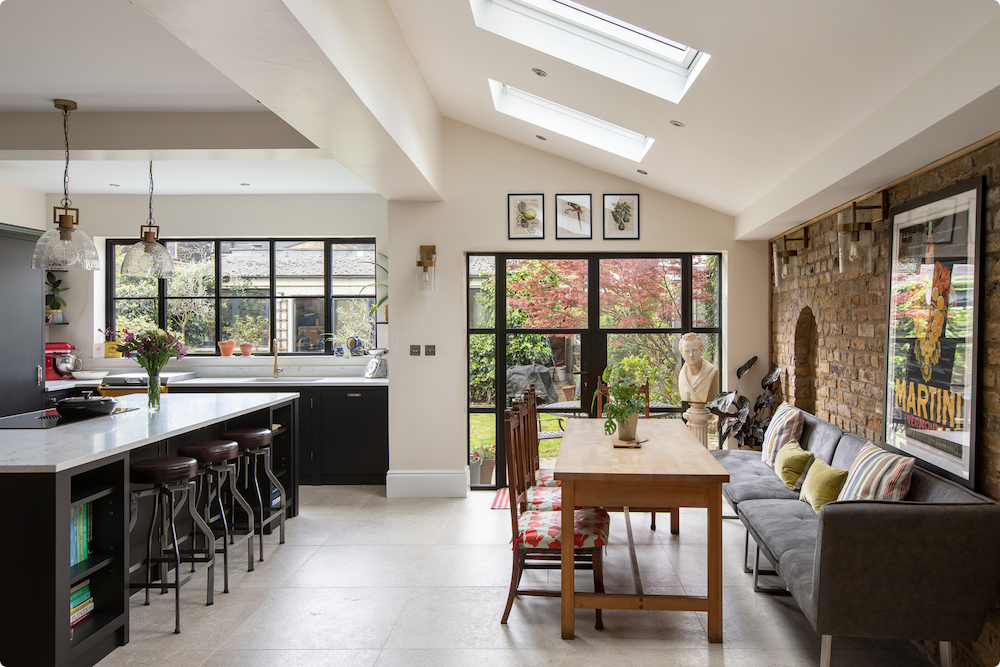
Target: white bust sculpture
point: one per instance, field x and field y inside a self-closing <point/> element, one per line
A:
<point x="699" y="379"/>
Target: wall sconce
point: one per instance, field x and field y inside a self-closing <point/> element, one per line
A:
<point x="425" y="268"/>
<point x="855" y="238"/>
<point x="786" y="267"/>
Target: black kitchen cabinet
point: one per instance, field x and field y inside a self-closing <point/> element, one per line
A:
<point x="353" y="434"/>
<point x="22" y="302"/>
<point x="343" y="431"/>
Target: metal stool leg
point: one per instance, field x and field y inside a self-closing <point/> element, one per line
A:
<point x="209" y="540"/>
<point x="238" y="497"/>
<point x="260" y="503"/>
<point x="169" y="497"/>
<point x="217" y="476"/>
<point x="281" y="494"/>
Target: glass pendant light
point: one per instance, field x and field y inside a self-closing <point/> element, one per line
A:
<point x="65" y="246"/>
<point x="147" y="258"/>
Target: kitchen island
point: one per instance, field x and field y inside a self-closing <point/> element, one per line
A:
<point x="49" y="473"/>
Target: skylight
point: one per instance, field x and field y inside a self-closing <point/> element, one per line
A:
<point x="595" y="41"/>
<point x="569" y="122"/>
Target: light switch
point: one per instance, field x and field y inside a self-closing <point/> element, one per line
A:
<point x="414" y="350"/>
<point x="429" y="350"/>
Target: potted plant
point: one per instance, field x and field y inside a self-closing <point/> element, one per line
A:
<point x="487" y="453"/>
<point x="734" y="410"/>
<point x="625" y="381"/>
<point x="53" y="302"/>
<point x="110" y="344"/>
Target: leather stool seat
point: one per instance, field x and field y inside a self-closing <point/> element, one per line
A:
<point x="164" y="470"/>
<point x="249" y="438"/>
<point x="210" y="451"/>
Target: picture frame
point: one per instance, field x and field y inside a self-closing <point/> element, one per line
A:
<point x="573" y="217"/>
<point x="621" y="217"/>
<point x="932" y="341"/>
<point x="525" y="217"/>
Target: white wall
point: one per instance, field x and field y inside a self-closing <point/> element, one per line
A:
<point x="428" y="395"/>
<point x="23" y="208"/>
<point x="203" y="216"/>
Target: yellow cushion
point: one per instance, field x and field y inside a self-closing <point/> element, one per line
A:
<point x="822" y="484"/>
<point x="790" y="464"/>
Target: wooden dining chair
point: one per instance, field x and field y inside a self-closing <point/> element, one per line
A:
<point x="537" y="535"/>
<point x="543" y="477"/>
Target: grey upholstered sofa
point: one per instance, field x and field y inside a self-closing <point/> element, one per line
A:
<point x="925" y="568"/>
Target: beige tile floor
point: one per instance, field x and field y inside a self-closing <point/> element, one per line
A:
<point x="366" y="581"/>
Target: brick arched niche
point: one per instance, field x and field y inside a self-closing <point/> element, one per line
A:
<point x="803" y="380"/>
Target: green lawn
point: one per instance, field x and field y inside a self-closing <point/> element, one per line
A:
<point x="482" y="431"/>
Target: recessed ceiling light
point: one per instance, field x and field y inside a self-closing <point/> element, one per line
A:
<point x="643" y="172"/>
<point x="569" y="122"/>
<point x="677" y="123"/>
<point x="538" y="136"/>
<point x="114" y="185"/>
<point x="539" y="72"/>
<point x="245" y="184"/>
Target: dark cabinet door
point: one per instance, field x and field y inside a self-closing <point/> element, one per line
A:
<point x="309" y="427"/>
<point x="354" y="435"/>
<point x="22" y="305"/>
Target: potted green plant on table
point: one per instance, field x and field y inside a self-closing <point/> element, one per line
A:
<point x="734" y="410"/>
<point x="53" y="302"/>
<point x="625" y="381"/>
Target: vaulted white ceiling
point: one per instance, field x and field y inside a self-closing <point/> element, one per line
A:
<point x="802" y="106"/>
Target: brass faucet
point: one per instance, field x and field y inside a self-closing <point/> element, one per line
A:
<point x="274" y="346"/>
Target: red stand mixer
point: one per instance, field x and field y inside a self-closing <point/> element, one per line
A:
<point x="60" y="362"/>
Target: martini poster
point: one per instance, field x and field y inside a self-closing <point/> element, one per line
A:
<point x="931" y="341"/>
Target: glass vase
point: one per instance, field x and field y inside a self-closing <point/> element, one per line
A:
<point x="153" y="392"/>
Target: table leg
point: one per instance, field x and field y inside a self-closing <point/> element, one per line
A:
<point x="715" y="563"/>
<point x="567" y="558"/>
<point x="675" y="520"/>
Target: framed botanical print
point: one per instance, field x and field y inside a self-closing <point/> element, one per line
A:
<point x="573" y="217"/>
<point x="621" y="216"/>
<point x="525" y="216"/>
<point x="933" y="320"/>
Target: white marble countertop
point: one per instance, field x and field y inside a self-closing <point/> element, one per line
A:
<point x="63" y="447"/>
<point x="289" y="381"/>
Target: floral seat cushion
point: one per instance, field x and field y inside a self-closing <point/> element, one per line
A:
<point x="545" y="498"/>
<point x="544" y="477"/>
<point x="543" y="530"/>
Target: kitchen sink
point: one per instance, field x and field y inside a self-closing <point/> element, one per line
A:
<point x="290" y="379"/>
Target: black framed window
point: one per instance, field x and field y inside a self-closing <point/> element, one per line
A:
<point x="308" y="295"/>
<point x="559" y="319"/>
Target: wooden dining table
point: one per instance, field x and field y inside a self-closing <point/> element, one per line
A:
<point x="670" y="468"/>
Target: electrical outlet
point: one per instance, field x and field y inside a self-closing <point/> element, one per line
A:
<point x="414" y="350"/>
<point x="429" y="350"/>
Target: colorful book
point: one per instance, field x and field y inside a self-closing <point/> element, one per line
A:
<point x="89" y="600"/>
<point x="72" y="537"/>
<point x="78" y="596"/>
<point x="82" y="612"/>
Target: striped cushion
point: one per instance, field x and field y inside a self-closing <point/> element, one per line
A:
<point x="785" y="425"/>
<point x="877" y="475"/>
<point x="543" y="530"/>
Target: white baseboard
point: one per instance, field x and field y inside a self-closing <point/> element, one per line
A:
<point x="427" y="483"/>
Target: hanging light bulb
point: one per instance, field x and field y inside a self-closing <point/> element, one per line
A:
<point x="147" y="258"/>
<point x="855" y="240"/>
<point x="66" y="245"/>
<point x="854" y="253"/>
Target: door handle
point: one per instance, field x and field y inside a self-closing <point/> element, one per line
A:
<point x="354" y="395"/>
<point x="39" y="375"/>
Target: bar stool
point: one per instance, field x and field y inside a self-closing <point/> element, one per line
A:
<point x="170" y="475"/>
<point x="215" y="464"/>
<point x="255" y="444"/>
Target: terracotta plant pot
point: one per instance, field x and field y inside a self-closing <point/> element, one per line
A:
<point x="226" y="347"/>
<point x="246" y="349"/>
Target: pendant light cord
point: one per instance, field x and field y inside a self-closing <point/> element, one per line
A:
<point x="149" y="220"/>
<point x="65" y="200"/>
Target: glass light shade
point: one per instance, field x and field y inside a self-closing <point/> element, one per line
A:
<point x="426" y="268"/>
<point x="147" y="259"/>
<point x="785" y="266"/>
<point x="62" y="248"/>
<point x="855" y="251"/>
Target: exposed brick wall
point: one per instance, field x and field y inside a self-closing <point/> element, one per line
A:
<point x="850" y="314"/>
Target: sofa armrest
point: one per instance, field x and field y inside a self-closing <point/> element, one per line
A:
<point x="905" y="570"/>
